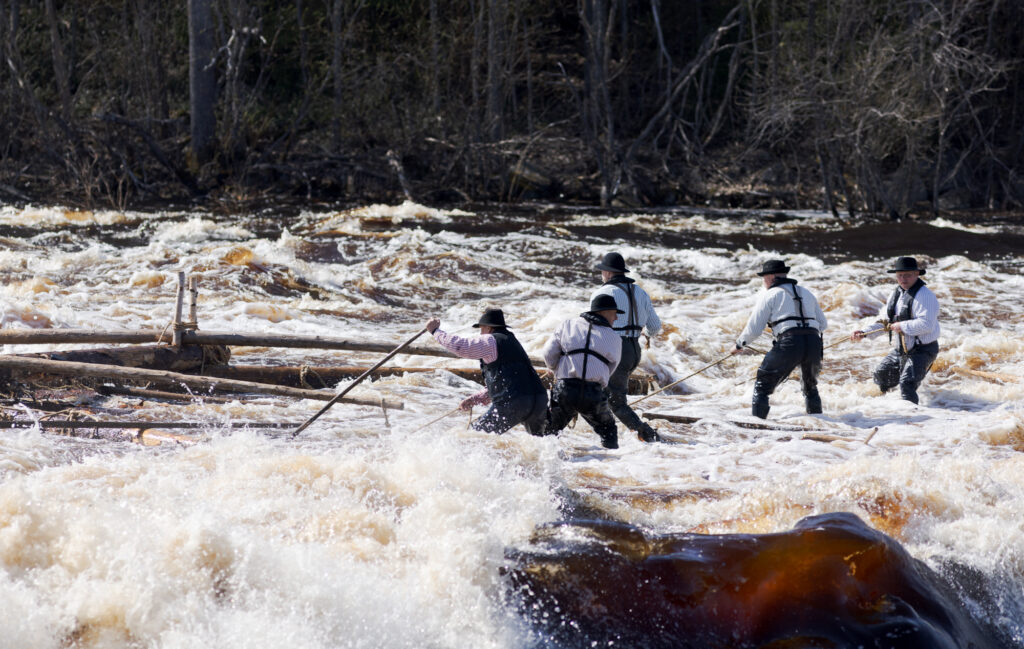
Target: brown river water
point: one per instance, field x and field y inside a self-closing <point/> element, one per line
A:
<point x="875" y="524"/>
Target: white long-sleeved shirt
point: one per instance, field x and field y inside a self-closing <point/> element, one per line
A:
<point x="645" y="317"/>
<point x="572" y="334"/>
<point x="777" y="303"/>
<point x="923" y="326"/>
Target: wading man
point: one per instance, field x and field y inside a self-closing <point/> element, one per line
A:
<point x="796" y="323"/>
<point x="513" y="388"/>
<point x="913" y="312"/>
<point x="635" y="313"/>
<point x="584" y="352"/>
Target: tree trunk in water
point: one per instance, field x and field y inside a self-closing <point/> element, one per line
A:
<point x="202" y="79"/>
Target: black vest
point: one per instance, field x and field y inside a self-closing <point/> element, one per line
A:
<point x="512" y="374"/>
<point x="904" y="314"/>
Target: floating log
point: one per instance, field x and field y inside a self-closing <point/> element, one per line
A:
<point x="683" y="419"/>
<point x="188" y="358"/>
<point x="141" y="425"/>
<point x="320" y="376"/>
<point x="18" y="364"/>
<point x="142" y="393"/>
<point x="88" y="336"/>
<point x="678" y="419"/>
<point x="998" y="376"/>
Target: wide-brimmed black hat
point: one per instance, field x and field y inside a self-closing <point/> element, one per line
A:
<point x="904" y="264"/>
<point x="604" y="302"/>
<point x="492" y="318"/>
<point x="613" y="263"/>
<point x="774" y="267"/>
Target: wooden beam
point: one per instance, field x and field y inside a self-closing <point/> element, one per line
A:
<point x="327" y="376"/>
<point x="21" y="364"/>
<point x="189" y="358"/>
<point x="88" y="336"/>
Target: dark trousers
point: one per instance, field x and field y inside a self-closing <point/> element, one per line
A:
<point x="794" y="347"/>
<point x="590" y="400"/>
<point x="618" y="386"/>
<point x="530" y="410"/>
<point x="906" y="370"/>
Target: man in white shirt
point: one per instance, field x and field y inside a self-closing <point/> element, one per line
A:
<point x="635" y="313"/>
<point x="913" y="312"/>
<point x="584" y="352"/>
<point x="797" y="322"/>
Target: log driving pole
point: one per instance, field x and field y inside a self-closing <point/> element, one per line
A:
<point x="437" y="419"/>
<point x="706" y="367"/>
<point x="355" y="382"/>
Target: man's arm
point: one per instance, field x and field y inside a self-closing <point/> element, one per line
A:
<point x="482" y="347"/>
<point x="819" y="315"/>
<point x="552" y="351"/>
<point x="758" y="320"/>
<point x="653" y="323"/>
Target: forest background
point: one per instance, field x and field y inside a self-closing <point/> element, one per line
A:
<point x="887" y="107"/>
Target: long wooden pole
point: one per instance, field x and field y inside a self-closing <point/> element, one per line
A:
<point x="355" y="382"/>
<point x="706" y="367"/>
<point x="163" y="377"/>
<point x="437" y="419"/>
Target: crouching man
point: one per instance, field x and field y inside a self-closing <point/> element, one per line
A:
<point x="513" y="389"/>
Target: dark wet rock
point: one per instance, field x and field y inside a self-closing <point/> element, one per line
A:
<point x="831" y="582"/>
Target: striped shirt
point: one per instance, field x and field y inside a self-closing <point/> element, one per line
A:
<point x="482" y="347"/>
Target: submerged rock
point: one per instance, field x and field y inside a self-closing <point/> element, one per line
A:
<point x="831" y="582"/>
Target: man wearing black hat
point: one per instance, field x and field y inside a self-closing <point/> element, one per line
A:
<point x="913" y="312"/>
<point x="584" y="352"/>
<point x="635" y="313"/>
<point x="796" y="322"/>
<point x="513" y="388"/>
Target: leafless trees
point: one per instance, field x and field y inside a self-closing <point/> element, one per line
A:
<point x="880" y="106"/>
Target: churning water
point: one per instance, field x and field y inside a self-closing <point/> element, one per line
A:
<point x="372" y="529"/>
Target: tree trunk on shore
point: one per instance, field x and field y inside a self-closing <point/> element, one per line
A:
<point x="202" y="79"/>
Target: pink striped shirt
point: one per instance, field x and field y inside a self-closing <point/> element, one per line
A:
<point x="482" y="347"/>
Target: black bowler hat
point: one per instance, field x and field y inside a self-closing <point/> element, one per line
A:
<point x="904" y="264"/>
<point x="492" y="318"/>
<point x="613" y="263"/>
<point x="604" y="302"/>
<point x="774" y="267"/>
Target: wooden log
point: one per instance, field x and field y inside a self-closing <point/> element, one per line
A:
<point x="998" y="376"/>
<point x="88" y="336"/>
<point x="319" y="376"/>
<point x="142" y="393"/>
<point x="679" y="419"/>
<point x="140" y="425"/>
<point x="189" y="358"/>
<point x="18" y="364"/>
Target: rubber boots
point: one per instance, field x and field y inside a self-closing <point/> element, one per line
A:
<point x="648" y="434"/>
<point x="759" y="407"/>
<point x="813" y="403"/>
